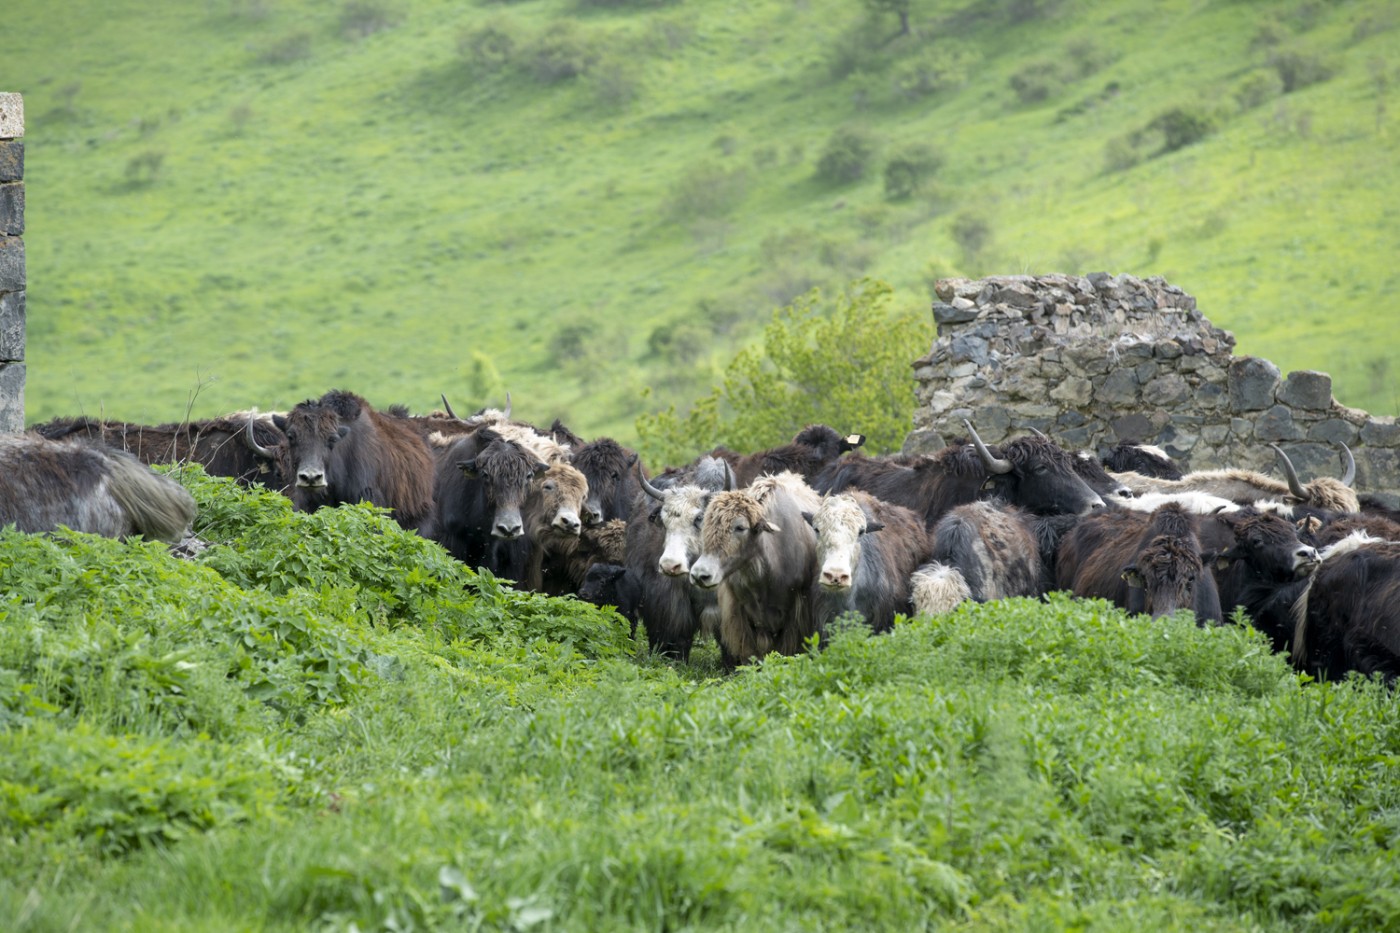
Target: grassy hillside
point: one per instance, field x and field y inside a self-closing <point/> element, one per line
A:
<point x="325" y="723"/>
<point x="247" y="202"/>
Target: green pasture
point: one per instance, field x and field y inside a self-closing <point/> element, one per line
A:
<point x="325" y="723"/>
<point x="595" y="204"/>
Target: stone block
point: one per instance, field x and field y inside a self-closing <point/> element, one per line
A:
<point x="1253" y="382"/>
<point x="1306" y="388"/>
<point x="1073" y="391"/>
<point x="11" y="160"/>
<point x="1277" y="424"/>
<point x="991" y="421"/>
<point x="11" y="326"/>
<point x="1118" y="390"/>
<point x="11" y="264"/>
<point x="945" y="313"/>
<point x="1169" y="389"/>
<point x="926" y="441"/>
<point x="11" y="208"/>
<point x="1381" y="432"/>
<point x="1242" y="429"/>
<point x="1133" y="427"/>
<point x="1311" y="461"/>
<point x="11" y="398"/>
<point x="11" y="115"/>
<point x="1333" y="431"/>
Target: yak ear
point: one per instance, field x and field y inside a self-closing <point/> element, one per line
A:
<point x="810" y="518"/>
<point x="468" y="468"/>
<point x="1132" y="577"/>
<point x="769" y="526"/>
<point x="341" y="431"/>
<point x="871" y="527"/>
<point x="540" y="467"/>
<point x="280" y="422"/>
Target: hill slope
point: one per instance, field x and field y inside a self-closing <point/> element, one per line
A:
<point x="246" y="203"/>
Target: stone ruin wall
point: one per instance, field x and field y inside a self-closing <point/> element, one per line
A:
<point x="1091" y="360"/>
<point x="12" y="282"/>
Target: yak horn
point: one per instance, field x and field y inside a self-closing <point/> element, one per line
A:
<point x="447" y="407"/>
<point x="258" y="449"/>
<point x="506" y="413"/>
<point x="731" y="482"/>
<point x="992" y="464"/>
<point x="1290" y="474"/>
<point x="648" y="488"/>
<point x="1348" y="474"/>
<point x="1039" y="433"/>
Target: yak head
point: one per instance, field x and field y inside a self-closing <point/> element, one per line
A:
<point x="839" y="523"/>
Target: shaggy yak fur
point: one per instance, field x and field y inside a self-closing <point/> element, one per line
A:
<point x="813" y="448"/>
<point x="88" y="487"/>
<point x="343" y="451"/>
<point x="867" y="550"/>
<point x="760" y="555"/>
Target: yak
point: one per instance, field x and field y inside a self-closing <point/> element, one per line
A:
<point x="867" y="551"/>
<point x="90" y="487"/>
<point x="759" y="554"/>
<point x="343" y="451"/>
<point x="812" y="449"/>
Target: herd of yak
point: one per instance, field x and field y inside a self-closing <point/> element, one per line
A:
<point x="763" y="550"/>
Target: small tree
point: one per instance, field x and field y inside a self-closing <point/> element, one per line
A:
<point x="907" y="170"/>
<point x="846" y="157"/>
<point x="844" y="363"/>
<point x="899" y="8"/>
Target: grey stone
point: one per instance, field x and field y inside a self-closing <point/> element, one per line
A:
<point x="1310" y="460"/>
<point x="11" y="326"/>
<point x="11" y="397"/>
<point x="1119" y="389"/>
<point x="1242" y="428"/>
<point x="1306" y="388"/>
<point x="1209" y="396"/>
<point x="992" y="421"/>
<point x="1333" y="431"/>
<point x="923" y="442"/>
<point x="1215" y="434"/>
<point x="1277" y="424"/>
<point x="1166" y="390"/>
<point x="1133" y="427"/>
<point x="11" y="160"/>
<point x="11" y="264"/>
<point x="1073" y="391"/>
<point x="970" y="349"/>
<point x="11" y="115"/>
<point x="1070" y="419"/>
<point x="1381" y="432"/>
<point x="944" y="313"/>
<point x="1076" y="438"/>
<point x="12" y="208"/>
<point x="1145" y="372"/>
<point x="1167" y="350"/>
<point x="1253" y="382"/>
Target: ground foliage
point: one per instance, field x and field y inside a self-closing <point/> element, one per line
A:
<point x="253" y="740"/>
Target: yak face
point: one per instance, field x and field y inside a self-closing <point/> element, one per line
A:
<point x="729" y="537"/>
<point x="1269" y="544"/>
<point x="681" y="514"/>
<point x="607" y="464"/>
<point x="839" y="524"/>
<point x="555" y="499"/>
<point x="1092" y="472"/>
<point x="1164" y="578"/>
<point x="504" y="470"/>
<point x="1043" y="480"/>
<point x="312" y="430"/>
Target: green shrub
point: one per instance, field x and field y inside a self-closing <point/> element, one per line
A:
<point x="561" y="53"/>
<point x="1298" y="69"/>
<point x="1182" y="126"/>
<point x="362" y="18"/>
<point x="846" y="157"/>
<point x="487" y="49"/>
<point x="287" y="50"/>
<point x="706" y="189"/>
<point x="1257" y="89"/>
<point x="909" y="169"/>
<point x="1037" y="81"/>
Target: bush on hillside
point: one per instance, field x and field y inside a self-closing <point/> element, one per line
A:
<point x="561" y="53"/>
<point x="488" y="49"/>
<point x="847" y="156"/>
<point x="287" y="50"/>
<point x="362" y="18"/>
<point x="843" y="363"/>
<point x="1258" y="88"/>
<point x="909" y="169"/>
<point x="1037" y="81"/>
<point x="1298" y="69"/>
<point x="706" y="189"/>
<point x="1182" y="126"/>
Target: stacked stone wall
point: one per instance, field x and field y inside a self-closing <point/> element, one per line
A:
<point x="12" y="279"/>
<point x="1091" y="360"/>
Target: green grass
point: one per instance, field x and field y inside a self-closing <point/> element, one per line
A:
<point x="482" y="759"/>
<point x="233" y="203"/>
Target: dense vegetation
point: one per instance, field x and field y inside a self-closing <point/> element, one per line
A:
<point x="322" y="722"/>
<point x="252" y="201"/>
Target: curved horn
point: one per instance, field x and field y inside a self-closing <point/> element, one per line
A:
<point x="506" y="413"/>
<point x="731" y="482"/>
<point x="258" y="449"/>
<point x="448" y="408"/>
<point x="648" y="488"/>
<point x="1040" y="434"/>
<point x="1349" y="473"/>
<point x="1290" y="474"/>
<point x="992" y="464"/>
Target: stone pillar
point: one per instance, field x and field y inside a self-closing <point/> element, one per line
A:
<point x="12" y="280"/>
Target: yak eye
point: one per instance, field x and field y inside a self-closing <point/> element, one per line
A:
<point x="549" y="486"/>
<point x="699" y="519"/>
<point x="740" y="528"/>
<point x="655" y="517"/>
